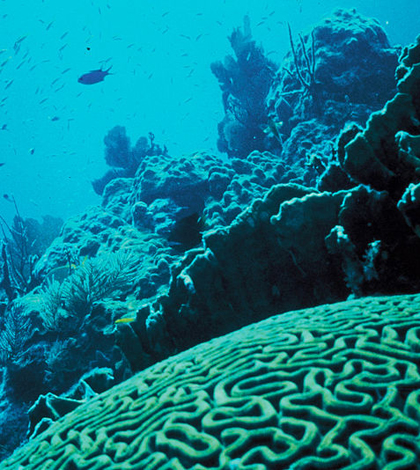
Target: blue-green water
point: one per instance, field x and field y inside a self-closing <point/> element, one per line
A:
<point x="51" y="142"/>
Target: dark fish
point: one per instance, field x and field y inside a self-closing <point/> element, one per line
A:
<point x="186" y="233"/>
<point x="2" y="163"/>
<point x="94" y="76"/>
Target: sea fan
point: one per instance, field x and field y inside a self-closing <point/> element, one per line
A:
<point x="107" y="276"/>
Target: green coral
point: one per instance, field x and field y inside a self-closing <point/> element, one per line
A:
<point x="336" y="386"/>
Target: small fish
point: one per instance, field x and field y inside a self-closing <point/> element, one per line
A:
<point x="273" y="128"/>
<point x="125" y="320"/>
<point x="2" y="163"/>
<point x="20" y="65"/>
<point x="5" y="62"/>
<point x="16" y="46"/>
<point x="60" y="272"/>
<point x="94" y="76"/>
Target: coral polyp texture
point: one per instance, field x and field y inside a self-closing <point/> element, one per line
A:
<point x="335" y="386"/>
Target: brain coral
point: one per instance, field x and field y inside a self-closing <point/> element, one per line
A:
<point x="335" y="386"/>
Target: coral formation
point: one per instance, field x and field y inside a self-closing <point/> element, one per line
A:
<point x="353" y="65"/>
<point x="386" y="155"/>
<point x="350" y="65"/>
<point x="184" y="249"/>
<point x="334" y="386"/>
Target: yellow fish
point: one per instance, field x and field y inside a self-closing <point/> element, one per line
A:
<point x="125" y="320"/>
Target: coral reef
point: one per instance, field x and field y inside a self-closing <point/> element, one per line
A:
<point x="334" y="386"/>
<point x="338" y="74"/>
<point x="184" y="249"/>
<point x="297" y="247"/>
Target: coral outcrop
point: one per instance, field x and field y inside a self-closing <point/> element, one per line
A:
<point x="338" y="74"/>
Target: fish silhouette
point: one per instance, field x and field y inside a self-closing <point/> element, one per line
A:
<point x="94" y="76"/>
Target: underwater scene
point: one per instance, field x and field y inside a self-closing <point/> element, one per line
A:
<point x="209" y="235"/>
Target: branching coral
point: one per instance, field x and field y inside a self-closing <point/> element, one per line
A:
<point x="16" y="257"/>
<point x="51" y="311"/>
<point x="305" y="75"/>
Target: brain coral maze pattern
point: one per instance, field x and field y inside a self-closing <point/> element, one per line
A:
<point x="330" y="387"/>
